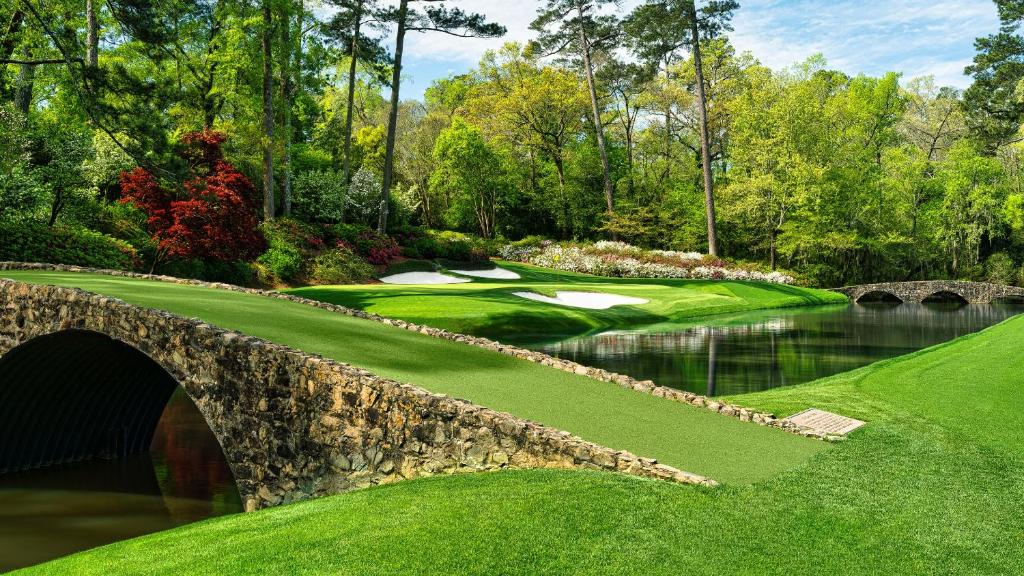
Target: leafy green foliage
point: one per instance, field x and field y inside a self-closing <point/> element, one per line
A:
<point x="237" y="273"/>
<point x="1000" y="269"/>
<point x="427" y="244"/>
<point x="339" y="266"/>
<point x="281" y="264"/>
<point x="842" y="179"/>
<point x="292" y="246"/>
<point x="29" y="241"/>
<point x="306" y="253"/>
<point x="470" y="173"/>
<point x="319" y="196"/>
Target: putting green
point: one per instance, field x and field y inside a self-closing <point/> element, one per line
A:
<point x="490" y="307"/>
<point x="691" y="439"/>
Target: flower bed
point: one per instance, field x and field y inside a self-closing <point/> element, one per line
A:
<point x="621" y="260"/>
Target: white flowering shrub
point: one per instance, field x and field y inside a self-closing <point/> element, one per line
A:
<point x="615" y="247"/>
<point x="682" y="256"/>
<point x="618" y="259"/>
<point x="517" y="253"/>
<point x="362" y="203"/>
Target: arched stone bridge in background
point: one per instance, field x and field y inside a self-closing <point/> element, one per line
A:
<point x="84" y="376"/>
<point x="916" y="292"/>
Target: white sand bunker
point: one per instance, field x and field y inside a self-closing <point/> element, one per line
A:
<point x="422" y="278"/>
<point x="495" y="273"/>
<point x="591" y="300"/>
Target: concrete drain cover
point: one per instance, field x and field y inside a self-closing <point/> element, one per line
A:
<point x="824" y="422"/>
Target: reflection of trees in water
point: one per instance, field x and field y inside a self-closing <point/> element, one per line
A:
<point x="54" y="511"/>
<point x="788" y="347"/>
<point x="190" y="464"/>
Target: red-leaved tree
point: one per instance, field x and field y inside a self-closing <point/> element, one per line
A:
<point x="213" y="215"/>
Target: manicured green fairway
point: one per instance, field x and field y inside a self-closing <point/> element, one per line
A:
<point x="932" y="485"/>
<point x="688" y="438"/>
<point x="489" y="307"/>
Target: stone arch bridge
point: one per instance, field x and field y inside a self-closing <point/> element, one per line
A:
<point x="84" y="376"/>
<point x="916" y="292"/>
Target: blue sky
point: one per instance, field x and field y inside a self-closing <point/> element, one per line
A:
<point x="915" y="37"/>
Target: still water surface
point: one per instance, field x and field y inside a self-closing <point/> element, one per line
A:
<point x="56" y="511"/>
<point x="767" y="349"/>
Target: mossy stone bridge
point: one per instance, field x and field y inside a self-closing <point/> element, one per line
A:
<point x="921" y="291"/>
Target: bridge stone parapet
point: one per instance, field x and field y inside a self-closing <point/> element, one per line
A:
<point x="293" y="425"/>
<point x="916" y="292"/>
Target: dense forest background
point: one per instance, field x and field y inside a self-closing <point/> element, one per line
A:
<point x="189" y="135"/>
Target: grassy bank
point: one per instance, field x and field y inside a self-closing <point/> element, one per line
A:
<point x="489" y="308"/>
<point x="692" y="439"/>
<point x="930" y="486"/>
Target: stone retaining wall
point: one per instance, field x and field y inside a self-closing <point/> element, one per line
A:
<point x="293" y="425"/>
<point x="645" y="386"/>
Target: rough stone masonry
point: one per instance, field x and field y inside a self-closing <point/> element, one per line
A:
<point x="917" y="291"/>
<point x="294" y="425"/>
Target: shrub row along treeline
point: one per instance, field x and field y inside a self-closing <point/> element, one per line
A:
<point x="169" y="136"/>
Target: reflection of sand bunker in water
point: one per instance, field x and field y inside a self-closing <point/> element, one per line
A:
<point x="422" y="278"/>
<point x="494" y="273"/>
<point x="590" y="300"/>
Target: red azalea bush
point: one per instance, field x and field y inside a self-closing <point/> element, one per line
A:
<point x="213" y="216"/>
<point x="377" y="248"/>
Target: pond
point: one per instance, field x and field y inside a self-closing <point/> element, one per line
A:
<point x="52" y="512"/>
<point x="760" y="350"/>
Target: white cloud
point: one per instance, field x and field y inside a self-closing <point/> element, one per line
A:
<point x="916" y="37"/>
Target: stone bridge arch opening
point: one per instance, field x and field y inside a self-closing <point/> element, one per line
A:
<point x="77" y="395"/>
<point x="947" y="297"/>
<point x="879" y="297"/>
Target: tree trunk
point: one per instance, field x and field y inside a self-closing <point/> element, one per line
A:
<point x="422" y="190"/>
<point x="10" y="37"/>
<point x="286" y="97"/>
<point x="268" y="114"/>
<point x="773" y="248"/>
<point x="566" y="222"/>
<point x="666" y="174"/>
<point x="92" y="36"/>
<point x="354" y="56"/>
<point x="705" y="147"/>
<point x="209" y="107"/>
<point x="389" y="151"/>
<point x="56" y="206"/>
<point x="609" y="191"/>
<point x="26" y="79"/>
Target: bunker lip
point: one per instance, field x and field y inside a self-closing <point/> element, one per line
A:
<point x="496" y="273"/>
<point x="589" y="300"/>
<point x="423" y="278"/>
